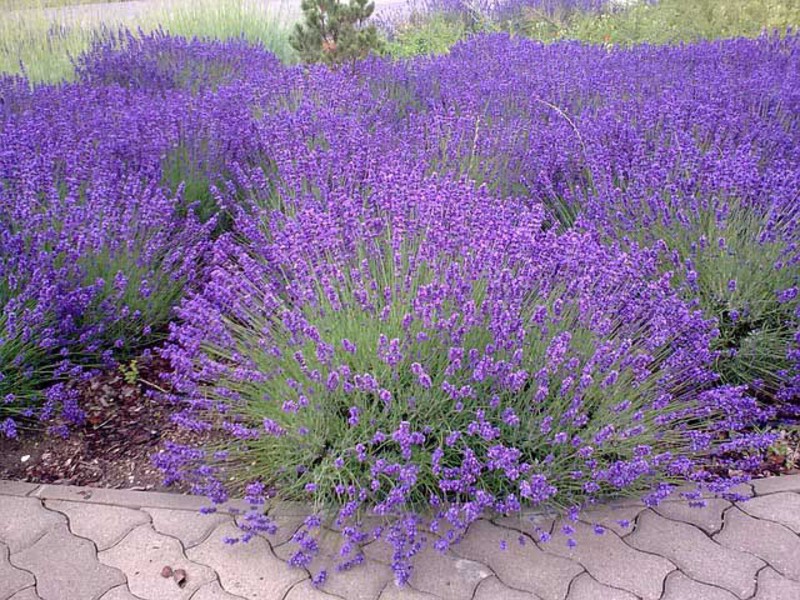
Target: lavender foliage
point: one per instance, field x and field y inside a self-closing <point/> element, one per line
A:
<point x="420" y="291"/>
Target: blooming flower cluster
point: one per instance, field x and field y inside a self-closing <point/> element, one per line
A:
<point x="417" y="292"/>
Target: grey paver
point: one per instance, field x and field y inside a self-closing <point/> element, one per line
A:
<point x="379" y="551"/>
<point x="26" y="594"/>
<point x="770" y="541"/>
<point x="525" y="567"/>
<point x="142" y="555"/>
<point x="771" y="586"/>
<point x="392" y="592"/>
<point x="612" y="562"/>
<point x="213" y="591"/>
<point x="287" y="526"/>
<point x="305" y="591"/>
<point x="707" y="518"/>
<point x="771" y="485"/>
<point x="16" y="488"/>
<point x="12" y="579"/>
<point x="189" y="527"/>
<point x="446" y="576"/>
<point x="783" y="508"/>
<point x="139" y="533"/>
<point x="129" y="498"/>
<point x="363" y="582"/>
<point x="66" y="567"/>
<point x="492" y="588"/>
<point x="586" y="588"/>
<point x="530" y="525"/>
<point x="610" y="517"/>
<point x="696" y="554"/>
<point x="25" y="520"/>
<point x="681" y="587"/>
<point x="104" y="525"/>
<point x="119" y="593"/>
<point x="250" y="570"/>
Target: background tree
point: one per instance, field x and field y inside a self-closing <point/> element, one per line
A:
<point x="335" y="33"/>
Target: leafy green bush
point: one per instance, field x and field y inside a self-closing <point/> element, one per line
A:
<point x="434" y="36"/>
<point x="335" y="33"/>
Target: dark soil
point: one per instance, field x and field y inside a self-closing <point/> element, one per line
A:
<point x="126" y="424"/>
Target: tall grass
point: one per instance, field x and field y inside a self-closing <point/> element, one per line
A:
<point x="43" y="44"/>
<point x="672" y="21"/>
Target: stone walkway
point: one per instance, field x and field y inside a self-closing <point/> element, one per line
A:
<point x="69" y="543"/>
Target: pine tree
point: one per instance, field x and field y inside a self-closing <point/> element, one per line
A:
<point x="335" y="33"/>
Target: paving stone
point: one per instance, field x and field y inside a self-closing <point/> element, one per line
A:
<point x="143" y="553"/>
<point x="66" y="567"/>
<point x="329" y="543"/>
<point x="287" y="526"/>
<point x="16" y="488"/>
<point x="771" y="485"/>
<point x="364" y="582"/>
<point x="680" y="587"/>
<point x="707" y="518"/>
<point x="740" y="490"/>
<point x="305" y="591"/>
<point x="26" y="594"/>
<point x="189" y="527"/>
<point x="492" y="588"/>
<point x="289" y="509"/>
<point x="213" y="591"/>
<point x="104" y="525"/>
<point x="381" y="551"/>
<point x="771" y="586"/>
<point x="609" y="517"/>
<point x="446" y="576"/>
<point x="770" y="541"/>
<point x="783" y="508"/>
<point x="612" y="562"/>
<point x="695" y="554"/>
<point x="25" y="520"/>
<point x="12" y="580"/>
<point x="249" y="570"/>
<point x="392" y="592"/>
<point x="586" y="588"/>
<point x="131" y="498"/>
<point x="530" y="525"/>
<point x="525" y="567"/>
<point x="119" y="593"/>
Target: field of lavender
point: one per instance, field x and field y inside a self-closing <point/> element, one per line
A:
<point x="413" y="292"/>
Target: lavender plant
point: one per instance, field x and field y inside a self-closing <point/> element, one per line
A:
<point x="428" y="361"/>
<point x="419" y="291"/>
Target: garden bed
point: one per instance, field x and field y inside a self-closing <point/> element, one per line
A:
<point x="516" y="275"/>
<point x="126" y="424"/>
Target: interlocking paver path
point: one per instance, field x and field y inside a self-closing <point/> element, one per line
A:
<point x="60" y="543"/>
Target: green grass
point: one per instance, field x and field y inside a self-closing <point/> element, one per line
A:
<point x="25" y="4"/>
<point x="431" y="36"/>
<point x="672" y="21"/>
<point x="668" y="21"/>
<point x="33" y="42"/>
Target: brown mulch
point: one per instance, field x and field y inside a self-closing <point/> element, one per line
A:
<point x="125" y="426"/>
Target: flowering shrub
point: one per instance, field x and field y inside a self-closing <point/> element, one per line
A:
<point x="419" y="291"/>
<point x="436" y="349"/>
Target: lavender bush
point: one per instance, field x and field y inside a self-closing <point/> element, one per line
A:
<point x="415" y="291"/>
